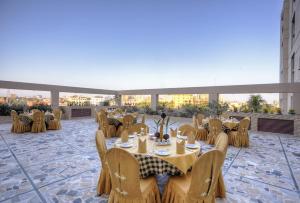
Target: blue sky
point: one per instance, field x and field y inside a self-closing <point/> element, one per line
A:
<point x="140" y="44"/>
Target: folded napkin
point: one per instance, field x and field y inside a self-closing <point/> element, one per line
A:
<point x="173" y="132"/>
<point x="191" y="138"/>
<point x="180" y="147"/>
<point x="124" y="136"/>
<point x="142" y="145"/>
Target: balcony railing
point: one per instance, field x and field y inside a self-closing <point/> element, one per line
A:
<point x="212" y="91"/>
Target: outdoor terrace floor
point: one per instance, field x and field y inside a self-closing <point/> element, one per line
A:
<point x="63" y="166"/>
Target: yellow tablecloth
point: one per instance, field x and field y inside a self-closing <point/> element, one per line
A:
<point x="230" y="124"/>
<point x="120" y="117"/>
<point x="182" y="161"/>
<point x="227" y="123"/>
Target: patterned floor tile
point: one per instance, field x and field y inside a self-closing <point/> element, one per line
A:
<point x="28" y="197"/>
<point x="8" y="162"/>
<point x="39" y="157"/>
<point x="81" y="188"/>
<point x="12" y="183"/>
<point x="65" y="166"/>
<point x="49" y="172"/>
<point x="240" y="189"/>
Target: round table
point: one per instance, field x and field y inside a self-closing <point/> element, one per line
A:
<point x="117" y="120"/>
<point x="153" y="164"/>
<point x="27" y="118"/>
<point x="227" y="124"/>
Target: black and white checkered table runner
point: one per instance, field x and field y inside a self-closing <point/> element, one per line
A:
<point x="150" y="165"/>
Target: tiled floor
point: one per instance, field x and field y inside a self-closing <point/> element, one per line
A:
<point x="63" y="166"/>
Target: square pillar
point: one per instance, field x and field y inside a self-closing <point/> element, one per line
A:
<point x="118" y="99"/>
<point x="154" y="101"/>
<point x="54" y="98"/>
<point x="213" y="97"/>
<point x="295" y="102"/>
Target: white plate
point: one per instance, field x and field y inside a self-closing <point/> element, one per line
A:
<point x="126" y="145"/>
<point x="131" y="136"/>
<point x="182" y="137"/>
<point x="162" y="152"/>
<point x="192" y="146"/>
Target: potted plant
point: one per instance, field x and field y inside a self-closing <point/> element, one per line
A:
<point x="292" y="112"/>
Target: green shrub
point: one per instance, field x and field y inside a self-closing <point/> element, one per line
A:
<point x="4" y="110"/>
<point x="41" y="107"/>
<point x="265" y="110"/>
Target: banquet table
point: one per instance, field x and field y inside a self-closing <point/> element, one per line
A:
<point x="27" y="118"/>
<point x="117" y="119"/>
<point x="153" y="164"/>
<point x="227" y="124"/>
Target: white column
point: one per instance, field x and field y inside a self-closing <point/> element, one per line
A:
<point x="213" y="97"/>
<point x="154" y="101"/>
<point x="296" y="102"/>
<point x="118" y="99"/>
<point x="54" y="98"/>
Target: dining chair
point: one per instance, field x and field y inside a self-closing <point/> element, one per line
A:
<point x="143" y="119"/>
<point x="127" y="186"/>
<point x="138" y="128"/>
<point x="240" y="138"/>
<point x="17" y="125"/>
<point x="200" y="117"/>
<point x="127" y="121"/>
<point x="221" y="145"/>
<point x="38" y="124"/>
<point x="104" y="181"/>
<point x="35" y="110"/>
<point x="201" y="132"/>
<point x="108" y="130"/>
<point x="215" y="127"/>
<point x="55" y="123"/>
<point x="186" y="129"/>
<point x="198" y="185"/>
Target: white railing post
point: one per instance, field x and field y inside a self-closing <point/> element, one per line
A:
<point x="154" y="101"/>
<point x="118" y="99"/>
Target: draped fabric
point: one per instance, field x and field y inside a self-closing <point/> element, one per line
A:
<point x="17" y="125"/>
<point x="104" y="182"/>
<point x="221" y="145"/>
<point x="201" y="132"/>
<point x="197" y="186"/>
<point x="38" y="124"/>
<point x="215" y="127"/>
<point x="186" y="129"/>
<point x="143" y="119"/>
<point x="127" y="122"/>
<point x="55" y="123"/>
<point x="108" y="130"/>
<point x="240" y="138"/>
<point x="127" y="187"/>
<point x="199" y="118"/>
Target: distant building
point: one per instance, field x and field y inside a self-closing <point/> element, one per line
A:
<point x="178" y="100"/>
<point x="96" y="101"/>
<point x="133" y="100"/>
<point x="290" y="53"/>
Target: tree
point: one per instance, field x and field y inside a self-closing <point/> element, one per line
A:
<point x="255" y="103"/>
<point x="215" y="108"/>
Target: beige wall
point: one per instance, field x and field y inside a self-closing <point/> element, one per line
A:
<point x="289" y="47"/>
